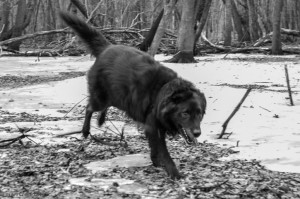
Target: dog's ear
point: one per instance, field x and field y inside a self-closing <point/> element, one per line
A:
<point x="180" y="96"/>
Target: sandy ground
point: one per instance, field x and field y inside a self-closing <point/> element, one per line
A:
<point x="266" y="127"/>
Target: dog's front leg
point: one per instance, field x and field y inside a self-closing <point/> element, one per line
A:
<point x="159" y="152"/>
<point x="87" y="120"/>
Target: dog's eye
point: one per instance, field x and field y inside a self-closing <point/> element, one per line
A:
<point x="185" y="115"/>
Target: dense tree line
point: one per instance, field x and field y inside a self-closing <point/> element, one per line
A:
<point x="229" y="22"/>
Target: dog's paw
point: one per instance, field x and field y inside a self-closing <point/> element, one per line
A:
<point x="85" y="133"/>
<point x="156" y="162"/>
<point x="173" y="172"/>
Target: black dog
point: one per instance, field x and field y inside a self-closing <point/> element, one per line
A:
<point x="148" y="92"/>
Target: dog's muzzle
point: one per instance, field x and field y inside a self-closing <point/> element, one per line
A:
<point x="190" y="135"/>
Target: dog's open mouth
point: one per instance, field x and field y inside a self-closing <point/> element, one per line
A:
<point x="188" y="136"/>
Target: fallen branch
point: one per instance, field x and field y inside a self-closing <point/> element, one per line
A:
<point x="74" y="106"/>
<point x="218" y="47"/>
<point x="233" y="113"/>
<point x="288" y="85"/>
<point x="290" y="32"/>
<point x="233" y="50"/>
<point x="12" y="140"/>
<point x="210" y="188"/>
<point x="108" y="143"/>
<point x="254" y="48"/>
<point x="268" y="37"/>
<point x="23" y="37"/>
<point x="42" y="53"/>
<point x="19" y="138"/>
<point x="68" y="133"/>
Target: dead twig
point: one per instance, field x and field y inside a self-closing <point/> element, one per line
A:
<point x="11" y="141"/>
<point x="19" y="138"/>
<point x="288" y="85"/>
<point x="69" y="133"/>
<point x="95" y="9"/>
<point x="115" y="127"/>
<point x="209" y="188"/>
<point x="2" y="28"/>
<point x="108" y="143"/>
<point x="234" y="112"/>
<point x="74" y="107"/>
<point x="265" y="109"/>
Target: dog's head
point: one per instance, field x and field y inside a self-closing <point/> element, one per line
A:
<point x="181" y="110"/>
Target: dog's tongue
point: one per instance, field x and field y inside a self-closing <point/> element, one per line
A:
<point x="187" y="134"/>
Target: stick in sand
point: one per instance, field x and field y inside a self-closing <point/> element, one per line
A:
<point x="288" y="85"/>
<point x="234" y="112"/>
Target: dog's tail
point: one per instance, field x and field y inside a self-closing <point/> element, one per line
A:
<point x="95" y="41"/>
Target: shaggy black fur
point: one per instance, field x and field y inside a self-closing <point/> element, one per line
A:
<point x="148" y="92"/>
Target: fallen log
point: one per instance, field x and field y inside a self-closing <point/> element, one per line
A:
<point x="268" y="37"/>
<point x="65" y="30"/>
<point x="290" y="32"/>
<point x="287" y="50"/>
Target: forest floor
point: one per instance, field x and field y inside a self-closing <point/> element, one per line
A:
<point x="40" y="100"/>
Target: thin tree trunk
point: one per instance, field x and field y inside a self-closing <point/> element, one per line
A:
<point x="18" y="27"/>
<point x="276" y="39"/>
<point x="253" y="24"/>
<point x="168" y="8"/>
<point x="228" y="23"/>
<point x="5" y="34"/>
<point x="149" y="38"/>
<point x="202" y="21"/>
<point x="236" y="18"/>
<point x="199" y="9"/>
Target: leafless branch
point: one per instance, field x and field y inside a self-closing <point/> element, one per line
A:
<point x="92" y="13"/>
<point x="288" y="85"/>
<point x="233" y="113"/>
<point x="19" y="138"/>
<point x="2" y="28"/>
<point x="74" y="107"/>
<point x="134" y="22"/>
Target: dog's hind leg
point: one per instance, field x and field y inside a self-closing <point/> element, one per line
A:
<point x="101" y="117"/>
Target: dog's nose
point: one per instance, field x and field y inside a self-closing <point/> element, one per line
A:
<point x="197" y="132"/>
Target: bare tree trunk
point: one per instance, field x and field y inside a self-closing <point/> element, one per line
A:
<point x="237" y="22"/>
<point x="202" y="21"/>
<point x="186" y="35"/>
<point x="35" y="18"/>
<point x="244" y="16"/>
<point x="23" y="17"/>
<point x="149" y="38"/>
<point x="4" y="25"/>
<point x="168" y="8"/>
<point x="253" y="24"/>
<point x="228" y="23"/>
<point x="276" y="39"/>
<point x="266" y="18"/>
<point x="199" y="8"/>
<point x="141" y="7"/>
